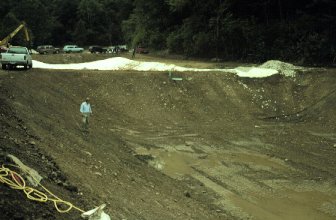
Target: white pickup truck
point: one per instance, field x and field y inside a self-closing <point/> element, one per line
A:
<point x="16" y="56"/>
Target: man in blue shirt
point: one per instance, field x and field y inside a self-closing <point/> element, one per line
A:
<point x="86" y="111"/>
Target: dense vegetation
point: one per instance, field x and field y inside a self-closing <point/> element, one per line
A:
<point x="301" y="30"/>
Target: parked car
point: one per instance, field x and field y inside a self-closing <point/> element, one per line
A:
<point x="143" y="50"/>
<point x="109" y="49"/>
<point x="122" y="48"/>
<point x="16" y="56"/>
<point x="45" y="49"/>
<point x="113" y="49"/>
<point x="72" y="49"/>
<point x="97" y="49"/>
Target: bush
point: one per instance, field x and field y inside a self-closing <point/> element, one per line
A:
<point x="175" y="43"/>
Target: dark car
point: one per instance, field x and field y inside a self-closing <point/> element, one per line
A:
<point x="143" y="50"/>
<point x="45" y="49"/>
<point x="97" y="49"/>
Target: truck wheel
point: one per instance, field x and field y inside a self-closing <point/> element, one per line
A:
<point x="4" y="66"/>
<point x="30" y="66"/>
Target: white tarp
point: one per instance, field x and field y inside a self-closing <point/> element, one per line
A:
<point x="120" y="63"/>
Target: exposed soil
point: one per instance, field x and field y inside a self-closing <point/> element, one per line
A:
<point x="212" y="146"/>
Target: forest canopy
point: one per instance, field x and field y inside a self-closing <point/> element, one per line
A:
<point x="299" y="31"/>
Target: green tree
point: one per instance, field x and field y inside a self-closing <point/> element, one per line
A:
<point x="37" y="17"/>
<point x="301" y="30"/>
<point x="9" y="23"/>
<point x="80" y="33"/>
<point x="148" y="23"/>
<point x="65" y="13"/>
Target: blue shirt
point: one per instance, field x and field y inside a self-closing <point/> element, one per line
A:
<point x="85" y="108"/>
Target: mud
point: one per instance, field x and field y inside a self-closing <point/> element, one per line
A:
<point x="211" y="146"/>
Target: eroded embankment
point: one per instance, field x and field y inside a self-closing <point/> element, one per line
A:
<point x="239" y="147"/>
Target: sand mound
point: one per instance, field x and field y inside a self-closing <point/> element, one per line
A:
<point x="286" y="69"/>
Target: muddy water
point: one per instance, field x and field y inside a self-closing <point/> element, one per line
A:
<point x="290" y="206"/>
<point x="241" y="191"/>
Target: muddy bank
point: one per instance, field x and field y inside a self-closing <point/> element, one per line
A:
<point x="211" y="146"/>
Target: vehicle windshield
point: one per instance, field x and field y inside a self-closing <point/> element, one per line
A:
<point x="70" y="46"/>
<point x="18" y="50"/>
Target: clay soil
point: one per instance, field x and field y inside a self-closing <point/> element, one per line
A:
<point x="211" y="146"/>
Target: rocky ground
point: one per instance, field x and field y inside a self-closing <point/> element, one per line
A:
<point x="212" y="146"/>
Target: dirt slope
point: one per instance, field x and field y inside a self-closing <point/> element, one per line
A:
<point x="212" y="146"/>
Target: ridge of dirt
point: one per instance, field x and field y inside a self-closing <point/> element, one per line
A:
<point x="16" y="139"/>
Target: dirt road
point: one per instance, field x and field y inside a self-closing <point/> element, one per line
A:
<point x="211" y="146"/>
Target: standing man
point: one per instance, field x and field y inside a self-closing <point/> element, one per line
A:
<point x="86" y="111"/>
